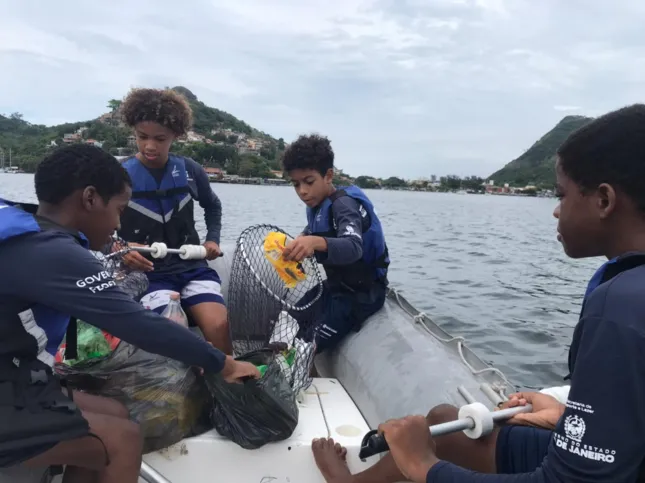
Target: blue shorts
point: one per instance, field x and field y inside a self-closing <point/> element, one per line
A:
<point x="194" y="286"/>
<point x="521" y="449"/>
<point x="340" y="312"/>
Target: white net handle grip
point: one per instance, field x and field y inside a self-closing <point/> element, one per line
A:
<point x="192" y="252"/>
<point x="482" y="418"/>
<point x="159" y="250"/>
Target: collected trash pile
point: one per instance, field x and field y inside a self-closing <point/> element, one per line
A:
<point x="167" y="398"/>
<point x="272" y="310"/>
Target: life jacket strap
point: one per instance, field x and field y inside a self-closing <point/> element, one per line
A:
<point x="71" y="339"/>
<point x="161" y="193"/>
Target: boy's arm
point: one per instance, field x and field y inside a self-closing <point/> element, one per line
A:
<point x="601" y="436"/>
<point x="347" y="247"/>
<point x="72" y="281"/>
<point x="209" y="201"/>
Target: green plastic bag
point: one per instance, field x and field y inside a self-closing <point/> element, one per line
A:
<point x="92" y="343"/>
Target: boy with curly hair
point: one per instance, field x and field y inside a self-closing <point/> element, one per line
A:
<point x="164" y="187"/>
<point x="344" y="234"/>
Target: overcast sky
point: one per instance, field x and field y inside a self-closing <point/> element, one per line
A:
<point x="401" y="87"/>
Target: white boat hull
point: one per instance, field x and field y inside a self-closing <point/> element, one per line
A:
<point x="326" y="411"/>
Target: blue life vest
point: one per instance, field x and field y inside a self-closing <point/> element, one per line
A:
<point x="37" y="331"/>
<point x="372" y="267"/>
<point x="159" y="212"/>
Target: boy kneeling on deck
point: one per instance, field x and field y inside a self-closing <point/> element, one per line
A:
<point x="599" y="435"/>
<point x="47" y="273"/>
<point x="345" y="235"/>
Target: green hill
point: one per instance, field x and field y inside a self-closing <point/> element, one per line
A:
<point x="222" y="139"/>
<point x="536" y="165"/>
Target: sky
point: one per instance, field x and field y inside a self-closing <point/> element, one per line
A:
<point x="405" y="88"/>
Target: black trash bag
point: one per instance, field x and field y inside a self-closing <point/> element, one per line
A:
<point x="166" y="397"/>
<point x="254" y="413"/>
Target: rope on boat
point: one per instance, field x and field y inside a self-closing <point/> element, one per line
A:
<point x="421" y="317"/>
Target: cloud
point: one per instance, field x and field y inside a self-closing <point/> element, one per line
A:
<point x="566" y="108"/>
<point x="401" y="87"/>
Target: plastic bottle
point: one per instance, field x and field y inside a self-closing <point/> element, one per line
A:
<point x="174" y="311"/>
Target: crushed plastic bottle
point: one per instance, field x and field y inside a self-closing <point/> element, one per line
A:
<point x="284" y="332"/>
<point x="174" y="312"/>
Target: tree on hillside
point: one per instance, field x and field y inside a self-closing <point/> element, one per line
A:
<point x="252" y="166"/>
<point x="186" y="93"/>
<point x="366" y="182"/>
<point x="16" y="116"/>
<point x="114" y="104"/>
<point x="219" y="137"/>
<point x="207" y="154"/>
<point x="268" y="152"/>
<point x="281" y="144"/>
<point x="394" y="182"/>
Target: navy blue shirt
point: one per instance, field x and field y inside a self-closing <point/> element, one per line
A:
<point x="347" y="247"/>
<point x="601" y="436"/>
<point x="50" y="268"/>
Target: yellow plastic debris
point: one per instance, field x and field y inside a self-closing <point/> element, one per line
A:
<point x="290" y="272"/>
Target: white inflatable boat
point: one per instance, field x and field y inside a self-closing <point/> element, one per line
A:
<point x="399" y="363"/>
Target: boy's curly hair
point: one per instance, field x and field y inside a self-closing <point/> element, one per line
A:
<point x="163" y="106"/>
<point x="311" y="151"/>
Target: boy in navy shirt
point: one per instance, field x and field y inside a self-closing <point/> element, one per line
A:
<point x="48" y="274"/>
<point x="599" y="434"/>
<point x="345" y="235"/>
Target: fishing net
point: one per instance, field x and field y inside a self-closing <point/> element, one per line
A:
<point x="272" y="312"/>
<point x="132" y="282"/>
<point x="273" y="303"/>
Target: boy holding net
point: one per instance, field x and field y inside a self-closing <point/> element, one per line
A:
<point x="344" y="233"/>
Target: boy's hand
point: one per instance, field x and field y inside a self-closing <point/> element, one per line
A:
<point x="546" y="413"/>
<point x="212" y="250"/>
<point x="303" y="247"/>
<point x="136" y="261"/>
<point x="235" y="371"/>
<point x="411" y="446"/>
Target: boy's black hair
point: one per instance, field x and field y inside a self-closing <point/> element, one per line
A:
<point x="76" y="167"/>
<point x="163" y="106"/>
<point x="609" y="149"/>
<point x="309" y="152"/>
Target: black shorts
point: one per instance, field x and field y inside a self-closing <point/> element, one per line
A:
<point x="521" y="449"/>
<point x="340" y="312"/>
<point x="36" y="415"/>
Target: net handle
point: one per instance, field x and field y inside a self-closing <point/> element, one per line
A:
<point x="286" y="304"/>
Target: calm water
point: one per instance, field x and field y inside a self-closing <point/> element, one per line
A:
<point x="488" y="268"/>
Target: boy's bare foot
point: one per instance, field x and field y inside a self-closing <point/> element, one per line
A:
<point x="330" y="459"/>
